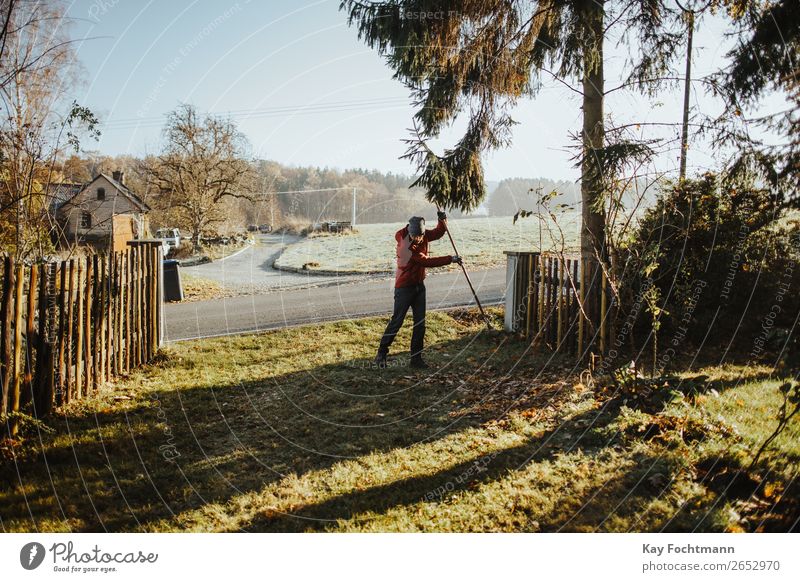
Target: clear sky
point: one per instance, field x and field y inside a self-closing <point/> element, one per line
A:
<point x="304" y="89"/>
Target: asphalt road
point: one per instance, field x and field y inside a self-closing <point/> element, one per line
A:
<point x="250" y="270"/>
<point x="334" y="300"/>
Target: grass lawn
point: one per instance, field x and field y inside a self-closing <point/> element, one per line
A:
<point x="481" y="241"/>
<point x="294" y="431"/>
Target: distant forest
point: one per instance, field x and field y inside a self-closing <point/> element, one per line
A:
<point x="513" y="194"/>
<point x="381" y="197"/>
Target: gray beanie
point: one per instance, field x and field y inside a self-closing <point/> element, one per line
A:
<point x="416" y="226"/>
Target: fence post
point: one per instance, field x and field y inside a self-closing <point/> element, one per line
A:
<point x="603" y="309"/>
<point x="70" y="372"/>
<point x="135" y="304"/>
<point x="560" y="304"/>
<point x="582" y="306"/>
<point x="92" y="355"/>
<point x="576" y="306"/>
<point x="6" y="339"/>
<point x="147" y="304"/>
<point x="120" y="311"/>
<point x="79" y="300"/>
<point x="19" y="285"/>
<point x="128" y="312"/>
<point x="30" y="320"/>
<point x="45" y="360"/>
<point x="140" y="305"/>
<point x="155" y="312"/>
<point x="88" y="368"/>
<point x="108" y="313"/>
<point x="99" y="318"/>
<point x="160" y="296"/>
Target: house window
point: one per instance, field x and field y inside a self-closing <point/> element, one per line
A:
<point x="101" y="193"/>
<point x="86" y="220"/>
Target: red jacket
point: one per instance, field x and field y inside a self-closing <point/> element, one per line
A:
<point x="413" y="258"/>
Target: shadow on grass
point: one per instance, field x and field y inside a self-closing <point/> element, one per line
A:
<point x="114" y="466"/>
<point x="124" y="466"/>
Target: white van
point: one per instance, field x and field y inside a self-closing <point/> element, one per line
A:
<point x="172" y="236"/>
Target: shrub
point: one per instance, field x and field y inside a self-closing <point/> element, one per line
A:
<point x="719" y="255"/>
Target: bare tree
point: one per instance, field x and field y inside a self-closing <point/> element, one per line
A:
<point x="202" y="163"/>
<point x="38" y="68"/>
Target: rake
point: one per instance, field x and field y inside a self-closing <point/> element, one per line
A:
<point x="466" y="274"/>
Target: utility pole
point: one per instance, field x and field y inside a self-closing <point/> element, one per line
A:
<point x="687" y="88"/>
<point x="353" y="219"/>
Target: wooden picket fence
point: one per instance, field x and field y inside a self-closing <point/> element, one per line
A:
<point x="546" y="301"/>
<point x="68" y="327"/>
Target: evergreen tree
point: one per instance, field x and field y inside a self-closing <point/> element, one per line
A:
<point x="480" y="57"/>
<point x="764" y="61"/>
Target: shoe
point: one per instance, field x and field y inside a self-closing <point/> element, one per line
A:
<point x="419" y="363"/>
<point x="380" y="360"/>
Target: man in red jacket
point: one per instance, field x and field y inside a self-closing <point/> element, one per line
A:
<point x="409" y="289"/>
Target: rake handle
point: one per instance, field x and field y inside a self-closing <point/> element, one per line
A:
<point x="466" y="274"/>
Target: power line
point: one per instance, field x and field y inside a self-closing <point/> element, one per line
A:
<point x="265" y="112"/>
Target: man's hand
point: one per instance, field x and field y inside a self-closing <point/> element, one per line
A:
<point x="456" y="259"/>
<point x="441" y="214"/>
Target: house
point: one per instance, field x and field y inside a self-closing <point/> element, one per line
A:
<point x="102" y="213"/>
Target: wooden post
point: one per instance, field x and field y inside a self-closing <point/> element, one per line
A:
<point x="45" y="366"/>
<point x="92" y="328"/>
<point x="109" y="313"/>
<point x="139" y="306"/>
<point x="88" y="368"/>
<point x="6" y="312"/>
<point x="126" y="320"/>
<point x="551" y="276"/>
<point x="134" y="306"/>
<point x="100" y="310"/>
<point x="551" y="312"/>
<point x="603" y="309"/>
<point x="576" y="307"/>
<point x="67" y="388"/>
<point x="565" y="336"/>
<point x="79" y="301"/>
<point x="99" y="318"/>
<point x="141" y="252"/>
<point x="529" y="297"/>
<point x="120" y="348"/>
<point x="159" y="291"/>
<point x="19" y="285"/>
<point x="154" y="312"/>
<point x="30" y="320"/>
<point x="560" y="304"/>
<point x="581" y="305"/>
<point x="61" y="335"/>
<point x="146" y="304"/>
<point x="129" y="315"/>
<point x="540" y="300"/>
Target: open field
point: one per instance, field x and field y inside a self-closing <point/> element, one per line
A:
<point x="294" y="431"/>
<point x="481" y="242"/>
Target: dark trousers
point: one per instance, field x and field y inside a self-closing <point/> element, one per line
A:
<point x="405" y="297"/>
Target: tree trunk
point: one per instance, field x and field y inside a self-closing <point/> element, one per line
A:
<point x="593" y="210"/>
<point x="196" y="230"/>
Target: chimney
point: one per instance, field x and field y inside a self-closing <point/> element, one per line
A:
<point x="119" y="176"/>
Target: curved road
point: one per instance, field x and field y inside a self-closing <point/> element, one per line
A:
<point x="250" y="270"/>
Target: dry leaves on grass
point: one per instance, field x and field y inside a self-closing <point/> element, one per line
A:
<point x="540" y="398"/>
